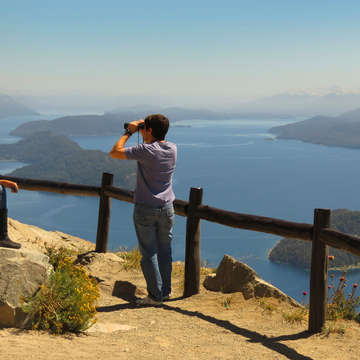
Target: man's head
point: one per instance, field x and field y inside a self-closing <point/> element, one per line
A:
<point x="159" y="125"/>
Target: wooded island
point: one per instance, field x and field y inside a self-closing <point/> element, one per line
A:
<point x="298" y="252"/>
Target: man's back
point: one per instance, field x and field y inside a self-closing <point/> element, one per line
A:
<point x="156" y="165"/>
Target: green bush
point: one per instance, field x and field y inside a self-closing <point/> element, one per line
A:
<point x="67" y="301"/>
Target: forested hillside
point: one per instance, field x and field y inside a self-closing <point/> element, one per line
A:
<point x="55" y="157"/>
<point x="298" y="252"/>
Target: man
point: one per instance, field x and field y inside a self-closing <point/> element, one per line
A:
<point x="4" y="238"/>
<point x="154" y="196"/>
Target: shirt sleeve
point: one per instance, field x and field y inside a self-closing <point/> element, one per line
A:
<point x="138" y="152"/>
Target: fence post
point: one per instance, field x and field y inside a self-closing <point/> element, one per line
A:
<point x="319" y="272"/>
<point x="104" y="215"/>
<point x="192" y="254"/>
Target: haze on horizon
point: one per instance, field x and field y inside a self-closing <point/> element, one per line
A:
<point x="205" y="52"/>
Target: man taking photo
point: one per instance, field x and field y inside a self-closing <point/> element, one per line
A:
<point x="154" y="196"/>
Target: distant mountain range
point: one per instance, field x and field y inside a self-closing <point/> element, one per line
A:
<point x="332" y="101"/>
<point x="57" y="158"/>
<point x="342" y="130"/>
<point x="11" y="107"/>
<point x="180" y="113"/>
<point x="329" y="101"/>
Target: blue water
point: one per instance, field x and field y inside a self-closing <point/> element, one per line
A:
<point x="241" y="168"/>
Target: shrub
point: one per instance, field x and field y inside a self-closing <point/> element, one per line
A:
<point x="340" y="305"/>
<point x="67" y="301"/>
<point x="57" y="256"/>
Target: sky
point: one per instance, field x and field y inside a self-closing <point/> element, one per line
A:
<point x="216" y="49"/>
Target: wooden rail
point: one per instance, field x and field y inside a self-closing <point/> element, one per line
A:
<point x="319" y="233"/>
<point x="54" y="186"/>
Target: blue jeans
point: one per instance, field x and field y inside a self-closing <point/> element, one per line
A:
<point x="153" y="228"/>
<point x="3" y="198"/>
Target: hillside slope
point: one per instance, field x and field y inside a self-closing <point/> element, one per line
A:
<point x="210" y="325"/>
<point x="57" y="158"/>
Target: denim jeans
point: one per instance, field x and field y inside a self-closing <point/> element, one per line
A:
<point x="153" y="228"/>
<point x="3" y="198"/>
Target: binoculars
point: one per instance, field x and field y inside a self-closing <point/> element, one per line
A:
<point x="141" y="126"/>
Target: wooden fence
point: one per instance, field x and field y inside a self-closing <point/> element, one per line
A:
<point x="318" y="233"/>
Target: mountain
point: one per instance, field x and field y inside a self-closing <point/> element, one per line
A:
<point x="180" y="113"/>
<point x="333" y="101"/>
<point x="342" y="130"/>
<point x="57" y="158"/>
<point x="10" y="107"/>
<point x="298" y="252"/>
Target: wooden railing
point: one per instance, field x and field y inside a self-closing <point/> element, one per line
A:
<point x="318" y="233"/>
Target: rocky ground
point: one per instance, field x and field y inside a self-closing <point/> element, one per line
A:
<point x="210" y="325"/>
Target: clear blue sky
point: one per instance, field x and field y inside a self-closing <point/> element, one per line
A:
<point x="228" y="48"/>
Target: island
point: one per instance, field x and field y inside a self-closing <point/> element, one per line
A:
<point x="342" y="130"/>
<point x="55" y="157"/>
<point x="298" y="252"/>
<point x="10" y="107"/>
<point x="112" y="123"/>
<point x="79" y="125"/>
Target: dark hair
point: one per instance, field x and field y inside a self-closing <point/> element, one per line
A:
<point x="159" y="125"/>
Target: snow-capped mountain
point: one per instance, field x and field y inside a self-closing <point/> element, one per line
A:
<point x="332" y="101"/>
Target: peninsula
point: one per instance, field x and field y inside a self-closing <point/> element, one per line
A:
<point x="342" y="130"/>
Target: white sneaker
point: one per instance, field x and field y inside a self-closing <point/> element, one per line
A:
<point x="148" y="301"/>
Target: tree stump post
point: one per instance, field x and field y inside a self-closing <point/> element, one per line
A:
<point x="319" y="272"/>
<point x="102" y="235"/>
<point x="192" y="253"/>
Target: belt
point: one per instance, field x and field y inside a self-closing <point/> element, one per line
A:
<point x="161" y="207"/>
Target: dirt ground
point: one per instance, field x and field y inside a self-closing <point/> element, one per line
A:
<point x="209" y="325"/>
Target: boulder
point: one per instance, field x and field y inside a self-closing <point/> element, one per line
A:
<point x="235" y="276"/>
<point x="35" y="238"/>
<point x="21" y="274"/>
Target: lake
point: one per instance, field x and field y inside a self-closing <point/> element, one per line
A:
<point x="241" y="168"/>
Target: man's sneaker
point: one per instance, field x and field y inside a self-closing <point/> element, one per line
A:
<point x="148" y="301"/>
<point x="167" y="297"/>
<point x="7" y="243"/>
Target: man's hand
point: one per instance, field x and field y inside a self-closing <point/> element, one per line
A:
<point x="133" y="126"/>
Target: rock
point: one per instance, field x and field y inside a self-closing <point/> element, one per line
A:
<point x="21" y="274"/>
<point x="35" y="238"/>
<point x="101" y="264"/>
<point x="235" y="276"/>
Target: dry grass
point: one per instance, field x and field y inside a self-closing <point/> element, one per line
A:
<point x="268" y="307"/>
<point x="332" y="327"/>
<point x="131" y="259"/>
<point x="296" y="316"/>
